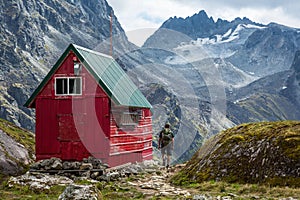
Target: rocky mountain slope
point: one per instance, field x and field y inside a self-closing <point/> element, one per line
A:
<point x="265" y="152"/>
<point x="274" y="97"/>
<point x="16" y="149"/>
<point x="35" y="33"/>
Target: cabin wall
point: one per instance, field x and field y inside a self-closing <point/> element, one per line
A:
<point x="72" y="127"/>
<point x="131" y="144"/>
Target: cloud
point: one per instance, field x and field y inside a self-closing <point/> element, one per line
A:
<point x="238" y="4"/>
<point x="134" y="14"/>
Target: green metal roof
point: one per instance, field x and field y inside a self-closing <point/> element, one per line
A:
<point x="107" y="72"/>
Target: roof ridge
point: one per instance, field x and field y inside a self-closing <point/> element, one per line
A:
<point x="92" y="51"/>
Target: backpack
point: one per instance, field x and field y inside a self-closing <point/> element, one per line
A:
<point x="166" y="136"/>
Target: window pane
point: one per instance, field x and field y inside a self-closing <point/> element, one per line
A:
<point x="78" y="86"/>
<point x="71" y="85"/>
<point x="61" y="86"/>
<point x="74" y="85"/>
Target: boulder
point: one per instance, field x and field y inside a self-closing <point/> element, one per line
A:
<point x="14" y="154"/>
<point x="86" y="166"/>
<point x="80" y="192"/>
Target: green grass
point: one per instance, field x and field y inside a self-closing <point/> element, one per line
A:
<point x="25" y="193"/>
<point x="113" y="190"/>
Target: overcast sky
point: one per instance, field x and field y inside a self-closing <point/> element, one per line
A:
<point x="150" y="14"/>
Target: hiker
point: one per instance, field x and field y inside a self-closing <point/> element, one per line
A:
<point x="166" y="144"/>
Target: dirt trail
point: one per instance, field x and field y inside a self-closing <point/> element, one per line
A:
<point x="157" y="184"/>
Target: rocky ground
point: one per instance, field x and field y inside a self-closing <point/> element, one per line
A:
<point x="146" y="180"/>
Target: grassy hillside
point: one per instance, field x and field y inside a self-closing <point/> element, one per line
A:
<point x="260" y="153"/>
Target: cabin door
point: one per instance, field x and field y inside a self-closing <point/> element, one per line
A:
<point x="71" y="133"/>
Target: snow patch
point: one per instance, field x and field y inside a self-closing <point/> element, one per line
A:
<point x="254" y="26"/>
<point x="239" y="100"/>
<point x="229" y="36"/>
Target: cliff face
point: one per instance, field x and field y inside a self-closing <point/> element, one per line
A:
<point x="266" y="152"/>
<point x="34" y="34"/>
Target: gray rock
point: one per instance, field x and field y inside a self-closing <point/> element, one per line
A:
<point x="12" y="154"/>
<point x="86" y="166"/>
<point x="66" y="165"/>
<point x="57" y="164"/>
<point x="202" y="197"/>
<point x="36" y="165"/>
<point x="86" y="174"/>
<point x="94" y="175"/>
<point x="71" y="165"/>
<point x="97" y="164"/>
<point x="112" y="176"/>
<point x="38" y="181"/>
<point x="80" y="192"/>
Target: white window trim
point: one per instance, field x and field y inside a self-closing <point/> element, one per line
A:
<point x="68" y="78"/>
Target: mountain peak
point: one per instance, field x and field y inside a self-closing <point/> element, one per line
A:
<point x="202" y="14"/>
<point x="200" y="25"/>
<point x="243" y="20"/>
<point x="193" y="26"/>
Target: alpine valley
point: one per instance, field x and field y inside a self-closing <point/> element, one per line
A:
<point x="199" y="74"/>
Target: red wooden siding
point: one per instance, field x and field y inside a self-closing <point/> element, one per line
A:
<point x="131" y="145"/>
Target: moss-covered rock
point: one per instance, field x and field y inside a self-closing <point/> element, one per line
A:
<point x="16" y="148"/>
<point x="265" y="153"/>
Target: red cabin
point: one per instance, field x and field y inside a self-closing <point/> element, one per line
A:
<point x="88" y="106"/>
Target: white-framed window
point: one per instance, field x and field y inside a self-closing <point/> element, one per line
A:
<point x="68" y="86"/>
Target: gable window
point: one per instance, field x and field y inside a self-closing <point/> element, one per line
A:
<point x="68" y="86"/>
